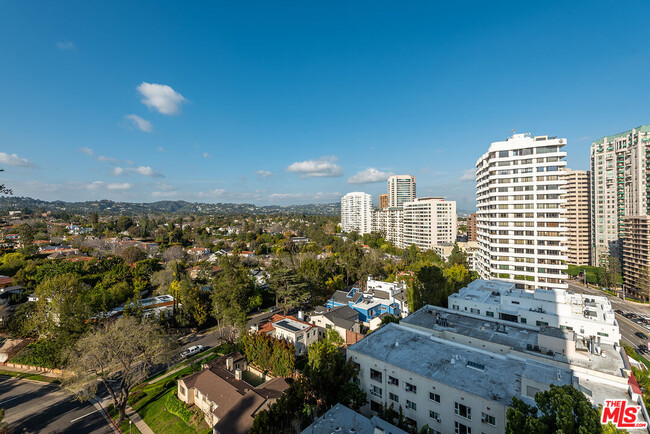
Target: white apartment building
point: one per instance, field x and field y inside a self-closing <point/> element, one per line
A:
<point x="401" y="189"/>
<point x="356" y="210"/>
<point x="389" y="223"/>
<point x="521" y="227"/>
<point x="620" y="187"/>
<point x="457" y="372"/>
<point x="429" y="221"/>
<point x="588" y="316"/>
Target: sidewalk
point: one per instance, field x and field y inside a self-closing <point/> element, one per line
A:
<point x="137" y="420"/>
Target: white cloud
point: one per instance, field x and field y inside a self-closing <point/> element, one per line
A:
<point x="318" y="195"/>
<point x="100" y="185"/>
<point x="65" y="46"/>
<point x="264" y="173"/>
<point x="105" y="159"/>
<point x="206" y="155"/>
<point x="118" y="171"/>
<point x="323" y="167"/>
<point x="15" y="160"/>
<point x="87" y="151"/>
<point x="164" y="194"/>
<point x="368" y="176"/>
<point x="161" y="97"/>
<point x="119" y="186"/>
<point x="144" y="170"/>
<point x="213" y="193"/>
<point x="141" y="124"/>
<point x="468" y="175"/>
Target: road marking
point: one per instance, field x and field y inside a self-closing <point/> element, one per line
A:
<point x="10" y="399"/>
<point x="633" y="324"/>
<point x="81" y="417"/>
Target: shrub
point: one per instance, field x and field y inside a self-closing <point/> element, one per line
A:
<point x="177" y="407"/>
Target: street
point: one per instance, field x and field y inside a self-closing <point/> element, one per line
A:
<point x="32" y="407"/>
<point x="626" y="326"/>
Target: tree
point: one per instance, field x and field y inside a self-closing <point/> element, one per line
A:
<point x="560" y="409"/>
<point x="4" y="189"/>
<point x="231" y="293"/>
<point x="120" y="355"/>
<point x="174" y="253"/>
<point x="133" y="254"/>
<point x="457" y="256"/>
<point x="290" y="289"/>
<point x="608" y="275"/>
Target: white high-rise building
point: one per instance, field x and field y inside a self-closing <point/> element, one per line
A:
<point x="429" y="221"/>
<point x="401" y="189"/>
<point x="356" y="210"/>
<point x="389" y="223"/>
<point x="521" y="227"/>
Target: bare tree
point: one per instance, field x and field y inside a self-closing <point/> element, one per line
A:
<point x="174" y="253"/>
<point x="118" y="354"/>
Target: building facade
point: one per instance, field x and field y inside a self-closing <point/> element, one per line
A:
<point x="636" y="255"/>
<point x="578" y="215"/>
<point x="457" y="371"/>
<point x="471" y="227"/>
<point x="521" y="226"/>
<point x="389" y="223"/>
<point x="620" y="186"/>
<point x="429" y="221"/>
<point x="383" y="201"/>
<point x="356" y="210"/>
<point x="401" y="189"/>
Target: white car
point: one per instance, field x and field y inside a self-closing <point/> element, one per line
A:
<point x="191" y="351"/>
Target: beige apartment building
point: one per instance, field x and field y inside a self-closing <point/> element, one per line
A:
<point x="383" y="201"/>
<point x="620" y="185"/>
<point x="636" y="255"/>
<point x="578" y="216"/>
<point x="471" y="227"/>
<point x="428" y="222"/>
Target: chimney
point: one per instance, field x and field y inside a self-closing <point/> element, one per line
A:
<point x="238" y="374"/>
<point x="229" y="361"/>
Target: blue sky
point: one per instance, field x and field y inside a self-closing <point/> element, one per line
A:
<point x="299" y="102"/>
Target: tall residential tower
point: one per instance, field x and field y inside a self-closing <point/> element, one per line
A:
<point x="578" y="216"/>
<point x="401" y="189"/>
<point x="521" y="226"/>
<point x="620" y="187"/>
<point x="355" y="212"/>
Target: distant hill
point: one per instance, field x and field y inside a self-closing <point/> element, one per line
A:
<point x="165" y="206"/>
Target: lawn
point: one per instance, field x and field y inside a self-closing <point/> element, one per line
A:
<point x="125" y="423"/>
<point x="28" y="376"/>
<point x="150" y="401"/>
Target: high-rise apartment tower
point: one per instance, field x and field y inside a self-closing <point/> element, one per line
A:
<point x="521" y="226"/>
<point x="578" y="216"/>
<point x="356" y="210"/>
<point x="401" y="189"/>
<point x="620" y="186"/>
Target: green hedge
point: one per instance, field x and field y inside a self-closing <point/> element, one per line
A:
<point x="177" y="407"/>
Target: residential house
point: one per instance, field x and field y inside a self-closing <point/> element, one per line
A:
<point x="343" y="319"/>
<point x="297" y="331"/>
<point x="345" y="420"/>
<point x="228" y="402"/>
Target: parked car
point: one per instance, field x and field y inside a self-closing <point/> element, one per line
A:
<point x="641" y="335"/>
<point x="619" y="311"/>
<point x="191" y="351"/>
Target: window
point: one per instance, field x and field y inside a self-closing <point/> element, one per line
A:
<point x="434" y="397"/>
<point x="393" y="397"/>
<point x="411" y="387"/>
<point x="488" y="313"/>
<point x="523" y="320"/>
<point x="489" y="419"/>
<point x="393" y="381"/>
<point x="603" y="334"/>
<point x="541" y="323"/>
<point x="459" y="428"/>
<point x="479" y="366"/>
<point x="503" y="154"/>
<point x="411" y="405"/>
<point x="463" y="411"/>
<point x="183" y="391"/>
<point x="375" y="391"/>
<point x="434" y="415"/>
<point x="375" y="375"/>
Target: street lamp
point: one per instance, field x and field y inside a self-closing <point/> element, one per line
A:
<point x="130" y="422"/>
